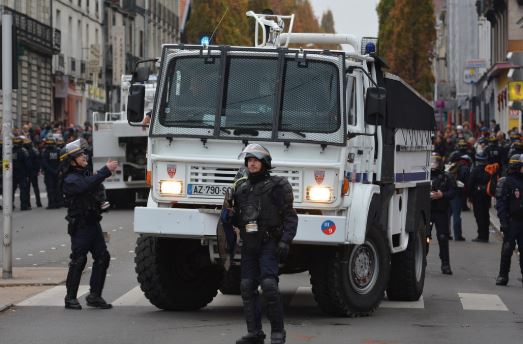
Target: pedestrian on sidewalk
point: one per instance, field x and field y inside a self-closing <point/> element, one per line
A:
<point x="81" y="190"/>
<point x="443" y="190"/>
<point x="510" y="212"/>
<point x="477" y="188"/>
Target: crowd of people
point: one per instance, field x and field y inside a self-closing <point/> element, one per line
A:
<point x="475" y="168"/>
<point x="36" y="150"/>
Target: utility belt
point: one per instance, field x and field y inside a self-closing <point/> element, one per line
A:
<point x="81" y="221"/>
<point x="252" y="240"/>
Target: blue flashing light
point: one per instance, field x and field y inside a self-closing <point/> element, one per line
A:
<point x="370" y="48"/>
<point x="205" y="40"/>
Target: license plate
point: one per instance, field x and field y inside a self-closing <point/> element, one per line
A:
<point x="215" y="190"/>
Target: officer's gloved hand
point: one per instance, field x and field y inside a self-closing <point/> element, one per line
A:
<point x="283" y="251"/>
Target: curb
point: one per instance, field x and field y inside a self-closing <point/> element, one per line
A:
<point x="5" y="307"/>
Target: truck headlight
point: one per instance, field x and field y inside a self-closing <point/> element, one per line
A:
<point x="171" y="187"/>
<point x="319" y="193"/>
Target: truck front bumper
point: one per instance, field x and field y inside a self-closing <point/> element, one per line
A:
<point x="193" y="223"/>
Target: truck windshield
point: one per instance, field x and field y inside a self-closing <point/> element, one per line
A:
<point x="255" y="96"/>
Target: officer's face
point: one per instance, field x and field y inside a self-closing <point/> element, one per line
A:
<point x="254" y="165"/>
<point x="81" y="160"/>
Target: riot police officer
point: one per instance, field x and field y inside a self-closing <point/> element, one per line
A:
<point x="510" y="212"/>
<point x="21" y="168"/>
<point x="495" y="152"/>
<point x="460" y="171"/>
<point x="80" y="190"/>
<point x="263" y="211"/>
<point x="443" y="190"/>
<point x="477" y="189"/>
<point x="34" y="155"/>
<point x="516" y="148"/>
<point x="51" y="168"/>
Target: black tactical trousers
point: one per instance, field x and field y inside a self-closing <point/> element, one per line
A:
<point x="261" y="269"/>
<point x="510" y="238"/>
<point x="481" y="213"/>
<point x="440" y="219"/>
<point x="87" y="238"/>
<point x="22" y="182"/>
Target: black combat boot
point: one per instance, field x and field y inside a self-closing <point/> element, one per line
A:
<point x="502" y="280"/>
<point x="72" y="303"/>
<point x="445" y="269"/>
<point x="252" y="338"/>
<point x="278" y="337"/>
<point x="97" y="301"/>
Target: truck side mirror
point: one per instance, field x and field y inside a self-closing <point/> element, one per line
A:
<point x="141" y="74"/>
<point x="375" y="105"/>
<point x="136" y="103"/>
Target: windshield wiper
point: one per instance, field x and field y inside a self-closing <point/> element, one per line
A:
<point x="247" y="131"/>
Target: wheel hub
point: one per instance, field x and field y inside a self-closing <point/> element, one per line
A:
<point x="363" y="268"/>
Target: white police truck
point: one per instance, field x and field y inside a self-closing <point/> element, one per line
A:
<point x="114" y="139"/>
<point x="353" y="141"/>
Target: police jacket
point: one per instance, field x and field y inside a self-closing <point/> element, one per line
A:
<point x="80" y="188"/>
<point x="268" y="202"/>
<point x="21" y="161"/>
<point x="510" y="203"/>
<point x="443" y="181"/>
<point x="34" y="155"/>
<point x="496" y="153"/>
<point x="51" y="160"/>
<point x="478" y="180"/>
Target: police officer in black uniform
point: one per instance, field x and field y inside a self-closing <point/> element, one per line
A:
<point x="51" y="168"/>
<point x="443" y="189"/>
<point x="34" y="155"/>
<point x="516" y="148"/>
<point x="80" y="190"/>
<point x="477" y="189"/>
<point x="21" y="169"/>
<point x="510" y="212"/>
<point x="263" y="211"/>
<point x="495" y="152"/>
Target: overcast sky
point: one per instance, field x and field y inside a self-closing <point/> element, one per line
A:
<point x="357" y="17"/>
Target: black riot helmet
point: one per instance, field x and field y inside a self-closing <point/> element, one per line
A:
<point x="257" y="151"/>
<point x="72" y="150"/>
<point x="436" y="162"/>
<point x="462" y="145"/>
<point x="515" y="162"/>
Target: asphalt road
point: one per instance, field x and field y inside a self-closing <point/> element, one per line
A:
<point x="463" y="308"/>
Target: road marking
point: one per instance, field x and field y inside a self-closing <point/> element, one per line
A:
<point x="420" y="304"/>
<point x="221" y="300"/>
<point x="51" y="297"/>
<point x="133" y="297"/>
<point x="481" y="302"/>
<point x="303" y="298"/>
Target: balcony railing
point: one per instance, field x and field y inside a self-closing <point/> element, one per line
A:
<point x="35" y="34"/>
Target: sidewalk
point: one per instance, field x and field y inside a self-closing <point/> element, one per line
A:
<point x="26" y="282"/>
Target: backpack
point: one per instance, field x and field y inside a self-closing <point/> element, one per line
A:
<point x="493" y="171"/>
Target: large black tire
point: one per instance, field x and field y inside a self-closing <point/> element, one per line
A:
<point x="351" y="281"/>
<point x="231" y="281"/>
<point x="176" y="274"/>
<point x="407" y="277"/>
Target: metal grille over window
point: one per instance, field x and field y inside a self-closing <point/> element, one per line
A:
<point x="310" y="98"/>
<point x="250" y="97"/>
<point x="191" y="95"/>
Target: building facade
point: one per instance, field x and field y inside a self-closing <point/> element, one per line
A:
<point x="77" y="70"/>
<point x="505" y="54"/>
<point x="37" y="43"/>
<point x="135" y="30"/>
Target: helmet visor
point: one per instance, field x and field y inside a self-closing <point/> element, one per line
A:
<point x="254" y="150"/>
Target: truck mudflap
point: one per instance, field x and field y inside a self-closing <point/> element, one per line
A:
<point x="193" y="223"/>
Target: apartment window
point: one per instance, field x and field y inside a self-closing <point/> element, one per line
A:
<point x="114" y="19"/>
<point x="96" y="36"/>
<point x="141" y="44"/>
<point x="79" y="3"/>
<point x="58" y="19"/>
<point x="97" y="13"/>
<point x="87" y="5"/>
